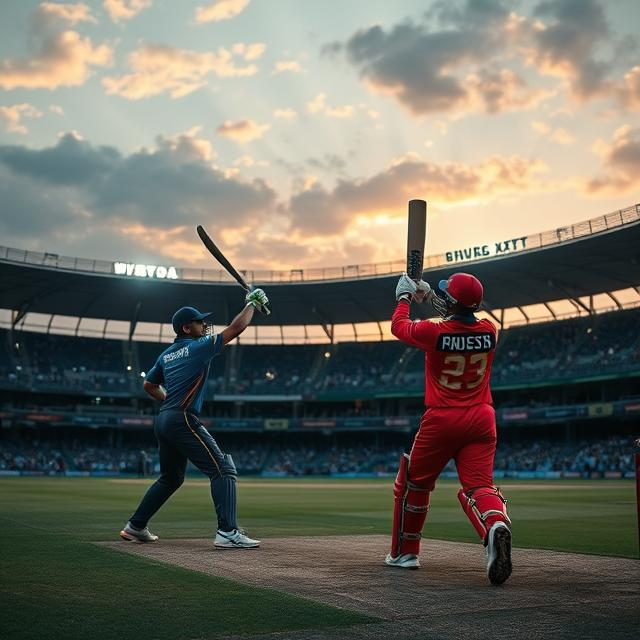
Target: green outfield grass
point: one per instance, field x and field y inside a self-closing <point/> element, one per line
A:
<point x="56" y="584"/>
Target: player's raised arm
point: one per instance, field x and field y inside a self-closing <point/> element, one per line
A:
<point x="256" y="299"/>
<point x="418" y="334"/>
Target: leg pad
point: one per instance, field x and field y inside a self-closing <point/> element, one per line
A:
<point x="411" y="505"/>
<point x="484" y="506"/>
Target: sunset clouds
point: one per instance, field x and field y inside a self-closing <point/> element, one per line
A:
<point x="242" y="131"/>
<point x="13" y="116"/>
<point x="61" y="57"/>
<point x="125" y="9"/>
<point x="621" y="161"/>
<point x="220" y="10"/>
<point x="157" y="69"/>
<point x="124" y="123"/>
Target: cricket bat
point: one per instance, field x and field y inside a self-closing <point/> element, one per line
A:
<point x="416" y="236"/>
<point x="220" y="257"/>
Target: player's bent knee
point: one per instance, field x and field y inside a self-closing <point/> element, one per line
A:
<point x="228" y="466"/>
<point x="172" y="481"/>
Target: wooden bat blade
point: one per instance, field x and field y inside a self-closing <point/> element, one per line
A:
<point x="220" y="257"/>
<point x="416" y="236"/>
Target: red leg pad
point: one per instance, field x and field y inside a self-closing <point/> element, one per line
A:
<point x="411" y="504"/>
<point x="484" y="507"/>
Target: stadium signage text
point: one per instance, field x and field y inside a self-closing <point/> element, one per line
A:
<point x="485" y="250"/>
<point x="145" y="270"/>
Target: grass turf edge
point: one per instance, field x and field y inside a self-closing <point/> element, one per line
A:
<point x="57" y="586"/>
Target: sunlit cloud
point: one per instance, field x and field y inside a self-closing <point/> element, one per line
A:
<point x="421" y="68"/>
<point x="47" y="13"/>
<point x="564" y="43"/>
<point x="243" y="131"/>
<point x="220" y="10"/>
<point x="621" y="162"/>
<point x="12" y="116"/>
<point x="319" y="105"/>
<point x="57" y="109"/>
<point x="187" y="146"/>
<point x="501" y="91"/>
<point x="249" y="52"/>
<point x="319" y="210"/>
<point x="286" y="113"/>
<point x="629" y="90"/>
<point x="125" y="9"/>
<point x="558" y="134"/>
<point x="290" y="66"/>
<point x="62" y="58"/>
<point x="244" y="161"/>
<point x="449" y="64"/>
<point x="158" y="69"/>
<point x="172" y="186"/>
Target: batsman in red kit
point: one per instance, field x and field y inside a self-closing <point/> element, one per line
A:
<point x="459" y="421"/>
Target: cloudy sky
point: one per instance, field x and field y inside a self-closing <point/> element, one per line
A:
<point x="296" y="132"/>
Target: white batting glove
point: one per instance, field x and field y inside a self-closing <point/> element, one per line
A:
<point x="258" y="298"/>
<point x="405" y="288"/>
<point x="423" y="290"/>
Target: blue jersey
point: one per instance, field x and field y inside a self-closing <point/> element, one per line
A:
<point x="183" y="369"/>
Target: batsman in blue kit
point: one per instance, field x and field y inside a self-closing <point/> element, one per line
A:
<point x="178" y="380"/>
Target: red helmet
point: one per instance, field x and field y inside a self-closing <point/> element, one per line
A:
<point x="463" y="288"/>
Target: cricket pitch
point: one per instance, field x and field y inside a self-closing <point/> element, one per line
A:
<point x="550" y="594"/>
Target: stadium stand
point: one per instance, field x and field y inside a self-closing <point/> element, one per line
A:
<point x="567" y="392"/>
<point x="579" y="347"/>
<point x="584" y="458"/>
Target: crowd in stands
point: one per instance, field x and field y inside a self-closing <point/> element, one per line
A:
<point x="584" y="457"/>
<point x="526" y="354"/>
<point x="601" y="456"/>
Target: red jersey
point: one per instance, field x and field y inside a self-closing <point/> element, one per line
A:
<point x="458" y="356"/>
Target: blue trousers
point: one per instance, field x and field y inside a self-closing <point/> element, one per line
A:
<point x="181" y="437"/>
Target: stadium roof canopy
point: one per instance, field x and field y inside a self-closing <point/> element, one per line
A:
<point x="596" y="256"/>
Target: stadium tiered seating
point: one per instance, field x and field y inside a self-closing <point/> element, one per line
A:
<point x="584" y="457"/>
<point x="527" y="354"/>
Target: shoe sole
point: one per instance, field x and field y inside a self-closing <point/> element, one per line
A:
<point x="236" y="546"/>
<point x="501" y="567"/>
<point x="129" y="538"/>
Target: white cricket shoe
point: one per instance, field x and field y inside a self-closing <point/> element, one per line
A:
<point x="498" y="550"/>
<point x="131" y="534"/>
<point x="235" y="539"/>
<point x="405" y="561"/>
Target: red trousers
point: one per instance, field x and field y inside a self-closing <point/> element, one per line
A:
<point x="468" y="435"/>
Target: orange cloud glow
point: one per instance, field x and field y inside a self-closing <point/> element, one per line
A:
<point x="125" y="9"/>
<point x="62" y="59"/>
<point x="621" y="162"/>
<point x="220" y="10"/>
<point x="12" y="116"/>
<point x="243" y="131"/>
<point x="162" y="69"/>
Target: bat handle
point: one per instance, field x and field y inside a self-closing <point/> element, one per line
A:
<point x="265" y="310"/>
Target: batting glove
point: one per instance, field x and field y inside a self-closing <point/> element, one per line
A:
<point x="258" y="298"/>
<point x="405" y="288"/>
